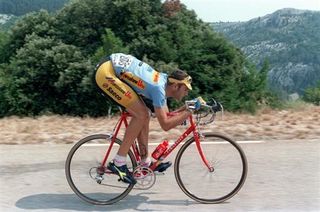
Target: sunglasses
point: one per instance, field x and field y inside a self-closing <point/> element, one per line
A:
<point x="187" y="81"/>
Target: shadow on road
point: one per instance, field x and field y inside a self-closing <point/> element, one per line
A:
<point x="72" y="202"/>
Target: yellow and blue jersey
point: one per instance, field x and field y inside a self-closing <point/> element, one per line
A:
<point x="142" y="78"/>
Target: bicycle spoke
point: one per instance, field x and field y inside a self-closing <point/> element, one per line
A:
<point x="198" y="182"/>
<point x="89" y="180"/>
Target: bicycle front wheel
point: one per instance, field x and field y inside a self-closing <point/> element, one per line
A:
<point x="90" y="180"/>
<point x="215" y="185"/>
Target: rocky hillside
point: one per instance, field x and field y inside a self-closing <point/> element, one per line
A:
<point x="11" y="10"/>
<point x="21" y="7"/>
<point x="4" y="18"/>
<point x="6" y="21"/>
<point x="289" y="39"/>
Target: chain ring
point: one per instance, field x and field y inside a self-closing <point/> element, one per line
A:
<point x="145" y="177"/>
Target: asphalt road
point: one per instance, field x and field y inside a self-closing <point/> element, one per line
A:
<point x="283" y="176"/>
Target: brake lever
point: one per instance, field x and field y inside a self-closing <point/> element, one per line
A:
<point x="215" y="106"/>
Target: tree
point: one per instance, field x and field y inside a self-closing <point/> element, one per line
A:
<point x="4" y="105"/>
<point x="82" y="23"/>
<point x="39" y="77"/>
<point x="38" y="23"/>
<point x="110" y="44"/>
<point x="312" y="95"/>
<point x="4" y="37"/>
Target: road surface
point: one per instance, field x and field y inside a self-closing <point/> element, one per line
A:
<point x="283" y="176"/>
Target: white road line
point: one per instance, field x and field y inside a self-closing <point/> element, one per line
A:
<point x="205" y="142"/>
<point x="251" y="142"/>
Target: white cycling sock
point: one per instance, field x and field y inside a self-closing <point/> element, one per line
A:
<point x="145" y="162"/>
<point x="120" y="160"/>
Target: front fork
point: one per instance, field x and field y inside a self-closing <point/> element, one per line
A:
<point x="197" y="137"/>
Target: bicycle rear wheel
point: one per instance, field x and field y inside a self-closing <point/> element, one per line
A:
<point x="91" y="181"/>
<point x="215" y="186"/>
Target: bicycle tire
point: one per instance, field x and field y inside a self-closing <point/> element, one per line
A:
<point x="85" y="191"/>
<point x="211" y="192"/>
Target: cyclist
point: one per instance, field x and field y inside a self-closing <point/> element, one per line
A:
<point x="127" y="80"/>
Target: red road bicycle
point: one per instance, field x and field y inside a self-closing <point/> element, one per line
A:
<point x="209" y="167"/>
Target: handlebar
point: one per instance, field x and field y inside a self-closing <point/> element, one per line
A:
<point x="212" y="107"/>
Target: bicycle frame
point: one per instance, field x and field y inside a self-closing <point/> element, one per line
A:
<point x="191" y="129"/>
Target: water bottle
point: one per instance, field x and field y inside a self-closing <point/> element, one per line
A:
<point x="161" y="148"/>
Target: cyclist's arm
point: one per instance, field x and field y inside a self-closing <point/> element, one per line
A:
<point x="180" y="109"/>
<point x="167" y="122"/>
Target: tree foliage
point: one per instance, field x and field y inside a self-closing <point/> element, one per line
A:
<point x="49" y="60"/>
<point x="312" y="95"/>
<point x="39" y="23"/>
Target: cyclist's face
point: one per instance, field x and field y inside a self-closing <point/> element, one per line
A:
<point x="182" y="91"/>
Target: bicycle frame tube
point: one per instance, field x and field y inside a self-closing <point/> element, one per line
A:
<point x="123" y="118"/>
<point x="192" y="128"/>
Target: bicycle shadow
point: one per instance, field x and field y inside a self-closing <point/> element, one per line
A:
<point x="72" y="202"/>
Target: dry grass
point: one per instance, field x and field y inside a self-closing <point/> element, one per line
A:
<point x="300" y="123"/>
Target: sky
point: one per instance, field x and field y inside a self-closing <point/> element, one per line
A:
<point x="244" y="10"/>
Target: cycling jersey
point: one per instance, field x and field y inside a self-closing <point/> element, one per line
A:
<point x="141" y="77"/>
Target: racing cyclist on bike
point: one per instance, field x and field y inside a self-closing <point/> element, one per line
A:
<point x="127" y="80"/>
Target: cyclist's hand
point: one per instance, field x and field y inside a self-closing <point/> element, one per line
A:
<point x="198" y="102"/>
<point x="195" y="104"/>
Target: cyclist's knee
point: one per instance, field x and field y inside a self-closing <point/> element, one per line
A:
<point x="143" y="115"/>
<point x="140" y="111"/>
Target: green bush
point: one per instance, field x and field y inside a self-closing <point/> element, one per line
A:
<point x="312" y="95"/>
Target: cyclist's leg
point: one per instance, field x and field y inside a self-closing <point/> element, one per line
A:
<point x="143" y="140"/>
<point x="144" y="153"/>
<point x="124" y="95"/>
<point x="131" y="133"/>
<point x="140" y="119"/>
<point x="143" y="145"/>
